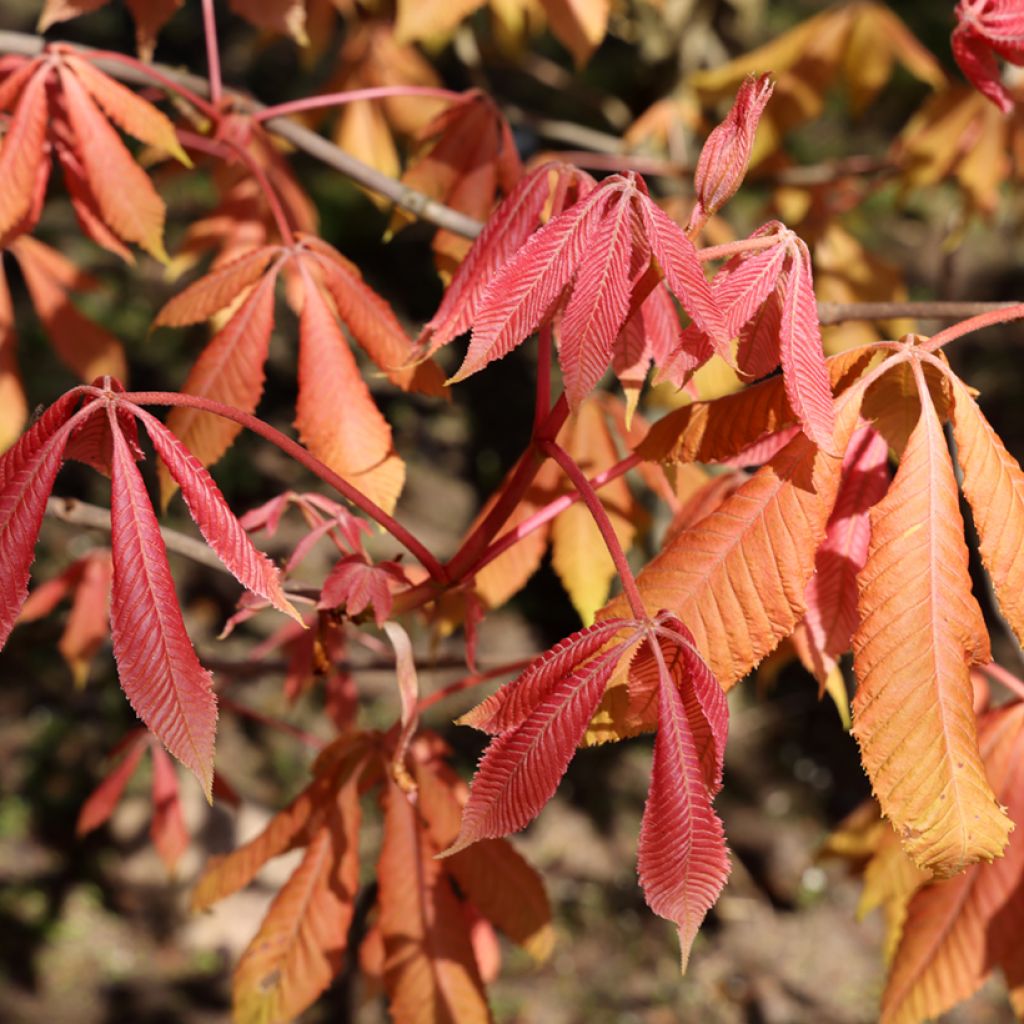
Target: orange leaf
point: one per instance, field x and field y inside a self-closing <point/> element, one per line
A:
<point x="994" y="485"/>
<point x="579" y="25"/>
<point x="959" y="929"/>
<point x="335" y="413"/>
<point x="373" y="323"/>
<point x="920" y="629"/>
<point x="21" y="156"/>
<point x="129" y="111"/>
<point x="737" y="578"/>
<point x="491" y="873"/>
<point x="290" y="828"/>
<point x="124" y="194"/>
<point x="430" y="971"/>
<point x="216" y="290"/>
<point x="229" y="370"/>
<point x="301" y="941"/>
<point x="83" y="345"/>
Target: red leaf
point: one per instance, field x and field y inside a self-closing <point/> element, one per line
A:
<point x="104" y="798"/>
<point x="984" y="29"/>
<point x="167" y="829"/>
<point x="356" y="583"/>
<point x="216" y="521"/>
<point x="683" y="863"/>
<point x="159" y="671"/>
<point x="27" y="473"/>
<point x="683" y="272"/>
<point x="504" y="233"/>
<point x="522" y="767"/>
<point x="27" y="448"/>
<point x="513" y="703"/>
<point x="803" y="361"/>
<point x="21" y="156"/>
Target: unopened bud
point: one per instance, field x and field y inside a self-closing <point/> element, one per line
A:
<point x="724" y="158"/>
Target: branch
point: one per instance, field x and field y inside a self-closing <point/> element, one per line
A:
<point x="317" y="146"/>
<point x="837" y="312"/>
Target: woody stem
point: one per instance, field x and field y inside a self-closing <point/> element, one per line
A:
<point x="603" y="522"/>
<point x="305" y="459"/>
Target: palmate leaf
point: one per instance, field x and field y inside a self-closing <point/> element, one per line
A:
<point x="491" y="874"/>
<point x="158" y="668"/>
<point x="513" y="703"/>
<point x="292" y="827"/>
<point x="220" y="528"/>
<point x="563" y="265"/>
<point x="682" y="861"/>
<point x="125" y="197"/>
<point x="994" y="486"/>
<point x="21" y="155"/>
<point x="228" y="370"/>
<point x="87" y="626"/>
<point x="82" y="345"/>
<point x="522" y="767"/>
<point x="335" y="415"/>
<point x="737" y="578"/>
<point x="920" y="629"/>
<point x="27" y="472"/>
<point x="959" y="929"/>
<point x="430" y="972"/>
<point x="301" y="942"/>
<point x="504" y="232"/>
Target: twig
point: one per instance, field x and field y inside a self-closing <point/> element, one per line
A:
<point x="81" y="513"/>
<point x="837" y="312"/>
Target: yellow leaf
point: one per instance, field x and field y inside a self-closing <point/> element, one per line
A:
<point x="994" y="485"/>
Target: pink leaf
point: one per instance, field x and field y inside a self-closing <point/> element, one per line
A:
<point x="683" y="272"/>
<point x="521" y="293"/>
<point x="803" y="361"/>
<point x="216" y="521"/>
<point x="683" y="863"/>
<point x="831" y="594"/>
<point x="159" y="671"/>
<point x="595" y="313"/>
<point x="726" y="153"/>
<point x="504" y="233"/>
